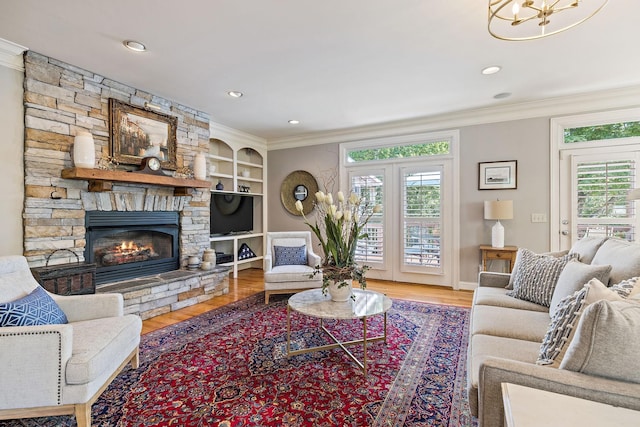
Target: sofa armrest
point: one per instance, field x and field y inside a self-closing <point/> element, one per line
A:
<point x="312" y="259"/>
<point x="492" y="279"/>
<point x="33" y="360"/>
<point x="267" y="263"/>
<point x="495" y="371"/>
<point x="87" y="307"/>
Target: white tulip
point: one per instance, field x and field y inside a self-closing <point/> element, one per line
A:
<point x="340" y="196"/>
<point x="347" y="215"/>
<point x="333" y="209"/>
<point x="339" y="215"/>
<point x="354" y="199"/>
<point x="377" y="209"/>
<point x="299" y="206"/>
<point x="329" y="199"/>
<point x="320" y="196"/>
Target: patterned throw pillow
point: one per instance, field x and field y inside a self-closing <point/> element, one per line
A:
<point x="567" y="315"/>
<point x="289" y="255"/>
<point x="573" y="277"/>
<point x="537" y="275"/>
<point x="37" y="308"/>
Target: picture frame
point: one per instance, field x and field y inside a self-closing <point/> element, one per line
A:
<point x="136" y="133"/>
<point x="500" y="175"/>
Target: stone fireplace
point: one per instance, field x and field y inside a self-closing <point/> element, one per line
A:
<point x="61" y="100"/>
<point x="126" y="245"/>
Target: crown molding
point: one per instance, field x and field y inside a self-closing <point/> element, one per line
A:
<point x="226" y="133"/>
<point x="11" y="55"/>
<point x="589" y="102"/>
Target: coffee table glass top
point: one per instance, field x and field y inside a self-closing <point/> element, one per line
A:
<point x="313" y="303"/>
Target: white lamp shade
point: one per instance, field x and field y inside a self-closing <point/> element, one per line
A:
<point x="498" y="209"/>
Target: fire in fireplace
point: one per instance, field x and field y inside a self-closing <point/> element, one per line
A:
<point x="126" y="245"/>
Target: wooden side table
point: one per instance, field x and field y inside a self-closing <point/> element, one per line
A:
<point x="508" y="254"/>
<point x="530" y="407"/>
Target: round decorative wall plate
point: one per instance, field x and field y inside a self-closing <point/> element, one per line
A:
<point x="298" y="185"/>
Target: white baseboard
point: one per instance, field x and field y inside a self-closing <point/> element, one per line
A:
<point x="467" y="286"/>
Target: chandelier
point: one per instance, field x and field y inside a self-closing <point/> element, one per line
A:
<point x="533" y="19"/>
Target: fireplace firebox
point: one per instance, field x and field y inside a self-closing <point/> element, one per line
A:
<point x="127" y="245"/>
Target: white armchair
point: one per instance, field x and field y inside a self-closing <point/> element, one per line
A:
<point x="61" y="369"/>
<point x="289" y="263"/>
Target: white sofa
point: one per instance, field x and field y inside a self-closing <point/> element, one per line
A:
<point x="282" y="278"/>
<point x="59" y="369"/>
<point x="506" y="335"/>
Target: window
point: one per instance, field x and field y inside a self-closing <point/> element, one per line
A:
<point x="408" y="151"/>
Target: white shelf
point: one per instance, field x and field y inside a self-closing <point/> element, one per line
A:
<point x="248" y="164"/>
<point x="242" y="178"/>
<point x="238" y="236"/>
<point x="248" y="260"/>
<point x="222" y="158"/>
<point x="220" y="175"/>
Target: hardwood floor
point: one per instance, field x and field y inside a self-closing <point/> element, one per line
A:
<point x="249" y="282"/>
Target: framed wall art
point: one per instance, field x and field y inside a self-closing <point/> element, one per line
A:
<point x="498" y="175"/>
<point x="136" y="133"/>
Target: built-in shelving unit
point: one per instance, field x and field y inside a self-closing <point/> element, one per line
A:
<point x="240" y="170"/>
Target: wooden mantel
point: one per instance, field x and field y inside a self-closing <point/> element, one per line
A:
<point x="102" y="180"/>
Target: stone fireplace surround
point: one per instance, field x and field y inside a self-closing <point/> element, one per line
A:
<point x="61" y="100"/>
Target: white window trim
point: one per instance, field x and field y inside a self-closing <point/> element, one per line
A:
<point x="558" y="147"/>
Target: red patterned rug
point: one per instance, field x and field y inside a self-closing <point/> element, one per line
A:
<point x="228" y="368"/>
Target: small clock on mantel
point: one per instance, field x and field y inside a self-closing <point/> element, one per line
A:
<point x="151" y="165"/>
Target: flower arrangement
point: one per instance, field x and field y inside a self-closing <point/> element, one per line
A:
<point x="338" y="227"/>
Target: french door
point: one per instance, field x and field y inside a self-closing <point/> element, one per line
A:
<point x="593" y="188"/>
<point x="412" y="239"/>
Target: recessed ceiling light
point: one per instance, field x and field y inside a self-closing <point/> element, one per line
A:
<point x="502" y="95"/>
<point x="491" y="70"/>
<point x="294" y="122"/>
<point x="134" y="45"/>
<point x="234" y="94"/>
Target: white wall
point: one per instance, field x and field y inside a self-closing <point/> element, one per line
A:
<point x="11" y="157"/>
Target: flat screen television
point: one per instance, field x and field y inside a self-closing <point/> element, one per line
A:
<point x="231" y="213"/>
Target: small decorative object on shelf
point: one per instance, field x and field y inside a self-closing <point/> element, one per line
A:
<point x="193" y="263"/>
<point x="244" y="188"/>
<point x="84" y="151"/>
<point x="183" y="172"/>
<point x="245" y="252"/>
<point x="108" y="163"/>
<point x="210" y="257"/>
<point x="246" y="173"/>
<point x="220" y="186"/>
<point x="200" y="166"/>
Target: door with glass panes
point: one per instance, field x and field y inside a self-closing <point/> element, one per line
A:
<point x="411" y="239"/>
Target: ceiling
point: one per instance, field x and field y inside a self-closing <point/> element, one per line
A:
<point x="332" y="64"/>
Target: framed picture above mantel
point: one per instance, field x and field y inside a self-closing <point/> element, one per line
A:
<point x="498" y="175"/>
<point x="136" y="133"/>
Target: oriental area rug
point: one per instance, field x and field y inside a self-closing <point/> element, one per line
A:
<point x="228" y="368"/>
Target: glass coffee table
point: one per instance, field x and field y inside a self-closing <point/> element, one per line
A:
<point x="314" y="304"/>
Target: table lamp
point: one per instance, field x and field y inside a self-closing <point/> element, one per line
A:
<point x="498" y="209"/>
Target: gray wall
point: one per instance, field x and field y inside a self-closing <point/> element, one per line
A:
<point x="526" y="141"/>
<point x="11" y="153"/>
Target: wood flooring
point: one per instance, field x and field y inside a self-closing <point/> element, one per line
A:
<point x="249" y="282"/>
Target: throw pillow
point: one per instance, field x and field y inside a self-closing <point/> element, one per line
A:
<point x="587" y="247"/>
<point x="562" y="327"/>
<point x="574" y="275"/>
<point x="514" y="269"/>
<point x="37" y="308"/>
<point x="537" y="276"/>
<point x="606" y="342"/>
<point x="622" y="256"/>
<point x="289" y="255"/>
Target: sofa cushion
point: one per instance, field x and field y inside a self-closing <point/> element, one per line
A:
<point x="623" y="256"/>
<point x="486" y="346"/>
<point x="100" y="345"/>
<point x="37" y="308"/>
<point x="607" y="342"/>
<point x="587" y="247"/>
<point x="509" y="323"/>
<point x="498" y="297"/>
<point x="290" y="273"/>
<point x="573" y="277"/>
<point x="563" y="324"/>
<point x="516" y="264"/>
<point x="289" y="255"/>
<point x="537" y="276"/>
